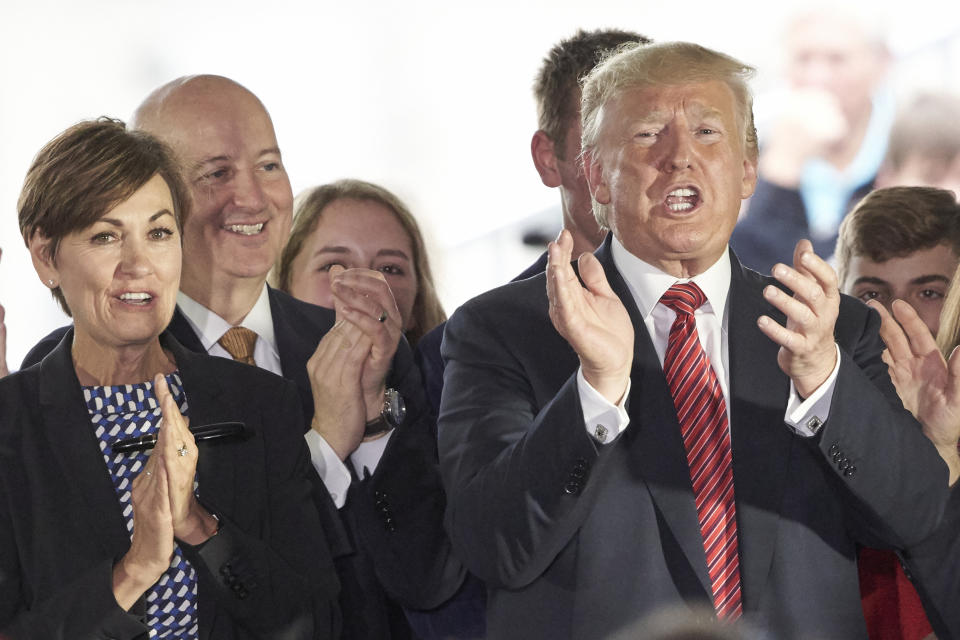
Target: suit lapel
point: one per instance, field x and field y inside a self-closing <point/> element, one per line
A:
<point x="759" y="438"/>
<point x="295" y="347"/>
<point x="655" y="445"/>
<point x="74" y="447"/>
<point x="180" y="328"/>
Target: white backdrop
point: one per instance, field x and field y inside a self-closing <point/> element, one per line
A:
<point x="430" y="98"/>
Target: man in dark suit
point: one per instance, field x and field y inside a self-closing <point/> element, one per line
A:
<point x="613" y="439"/>
<point x="239" y="220"/>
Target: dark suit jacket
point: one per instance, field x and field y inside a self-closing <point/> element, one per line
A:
<point x="581" y="540"/>
<point x="388" y="539"/>
<point x="61" y="530"/>
<point x="934" y="566"/>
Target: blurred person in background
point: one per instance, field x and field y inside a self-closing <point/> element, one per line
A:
<point x="924" y="147"/>
<point x="192" y="539"/>
<point x="898" y="243"/>
<point x="357" y="224"/>
<point x="821" y="152"/>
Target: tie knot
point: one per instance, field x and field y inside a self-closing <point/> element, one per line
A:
<point x="238" y="342"/>
<point x="685" y="297"/>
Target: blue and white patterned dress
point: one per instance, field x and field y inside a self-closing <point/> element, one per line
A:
<point x="127" y="411"/>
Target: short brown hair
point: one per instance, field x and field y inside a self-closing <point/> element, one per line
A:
<point x="663" y="64"/>
<point x="309" y="206"/>
<point x="562" y="69"/>
<point x="85" y="172"/>
<point x="895" y="222"/>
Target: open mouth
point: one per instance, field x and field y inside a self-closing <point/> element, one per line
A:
<point x="138" y="299"/>
<point x="682" y="199"/>
<point x="245" y="229"/>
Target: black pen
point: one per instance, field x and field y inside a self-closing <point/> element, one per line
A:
<point x="204" y="432"/>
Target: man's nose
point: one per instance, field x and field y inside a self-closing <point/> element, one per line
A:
<point x="248" y="192"/>
<point x="678" y="150"/>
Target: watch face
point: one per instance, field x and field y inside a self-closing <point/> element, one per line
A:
<point x="394" y="409"/>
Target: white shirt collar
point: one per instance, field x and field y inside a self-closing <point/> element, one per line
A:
<point x="647" y="284"/>
<point x="211" y="327"/>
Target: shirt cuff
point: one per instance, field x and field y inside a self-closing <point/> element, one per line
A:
<point x="806" y="417"/>
<point x="367" y="456"/>
<point x="602" y="419"/>
<point x="331" y="469"/>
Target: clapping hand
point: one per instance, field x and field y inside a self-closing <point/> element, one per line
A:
<point x="363" y="297"/>
<point x="928" y="384"/>
<point x="590" y="317"/>
<point x="807" y="348"/>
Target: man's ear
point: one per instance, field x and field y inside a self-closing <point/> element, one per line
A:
<point x="593" y="171"/>
<point x="545" y="159"/>
<point x="43" y="260"/>
<point x="749" y="183"/>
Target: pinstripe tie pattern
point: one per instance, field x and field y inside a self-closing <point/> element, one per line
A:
<point x="702" y="413"/>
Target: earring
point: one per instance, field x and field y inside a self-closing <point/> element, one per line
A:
<point x="50" y="282"/>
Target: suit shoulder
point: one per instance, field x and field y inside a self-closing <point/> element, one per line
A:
<point x="301" y="313"/>
<point x="46" y="344"/>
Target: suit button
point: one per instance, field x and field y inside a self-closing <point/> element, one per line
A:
<point x="834" y="448"/>
<point x="572" y="488"/>
<point x="838" y="456"/>
<point x="844" y="464"/>
<point x="850" y="471"/>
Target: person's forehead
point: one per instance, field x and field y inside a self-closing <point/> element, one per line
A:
<point x="217" y="125"/>
<point x="939" y="260"/>
<point x="712" y="97"/>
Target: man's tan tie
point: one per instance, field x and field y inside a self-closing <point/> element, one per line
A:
<point x="239" y="342"/>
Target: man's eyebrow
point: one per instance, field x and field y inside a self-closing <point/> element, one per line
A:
<point x="265" y="152"/>
<point x="933" y="277"/>
<point x="210" y="160"/>
<point x="871" y="280"/>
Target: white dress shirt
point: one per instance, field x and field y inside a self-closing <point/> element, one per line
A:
<point x="647" y="284"/>
<point x="210" y="328"/>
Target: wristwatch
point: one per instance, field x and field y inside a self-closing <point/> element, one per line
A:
<point x="391" y="415"/>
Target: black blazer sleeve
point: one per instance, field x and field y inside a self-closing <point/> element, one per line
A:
<point x="934" y="566"/>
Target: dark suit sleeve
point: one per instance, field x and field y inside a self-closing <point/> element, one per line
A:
<point x="895" y="481"/>
<point x="83" y="608"/>
<point x="518" y="468"/>
<point x="934" y="565"/>
<point x="400" y="507"/>
<point x="271" y="581"/>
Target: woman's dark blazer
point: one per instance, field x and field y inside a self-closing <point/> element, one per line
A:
<point x="266" y="574"/>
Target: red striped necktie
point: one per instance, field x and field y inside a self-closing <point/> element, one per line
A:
<point x="702" y="413"/>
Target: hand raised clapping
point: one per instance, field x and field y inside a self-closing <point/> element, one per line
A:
<point x="928" y="384"/>
<point x="807" y="348"/>
<point x="590" y="317"/>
